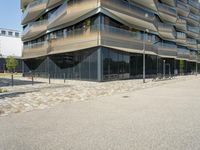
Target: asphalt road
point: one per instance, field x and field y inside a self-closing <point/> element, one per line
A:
<point x="159" y="118"/>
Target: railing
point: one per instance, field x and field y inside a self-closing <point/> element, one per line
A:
<point x="193" y="29"/>
<point x="166" y="45"/>
<point x="91" y="35"/>
<point x="183" y="53"/>
<point x="193" y="55"/>
<point x="191" y="41"/>
<point x="70" y="7"/>
<point x="35" y="25"/>
<point x="36" y="45"/>
<point x="127" y="7"/>
<point x="166" y="8"/>
<point x="165" y="27"/>
<point x="181" y="21"/>
<point x="193" y="16"/>
<point x="33" y="4"/>
<point x="58" y="12"/>
<point x="181" y="35"/>
<point x="193" y="3"/>
<point x="182" y="5"/>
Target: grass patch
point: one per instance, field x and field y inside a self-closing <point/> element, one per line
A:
<point x="3" y="90"/>
<point x="9" y="74"/>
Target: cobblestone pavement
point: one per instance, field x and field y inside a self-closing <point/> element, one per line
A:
<point x="25" y="97"/>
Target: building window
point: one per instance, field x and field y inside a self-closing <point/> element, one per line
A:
<point x="10" y="33"/>
<point x="16" y="34"/>
<point x="3" y="32"/>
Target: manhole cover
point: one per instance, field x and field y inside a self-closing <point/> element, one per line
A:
<point x="125" y="96"/>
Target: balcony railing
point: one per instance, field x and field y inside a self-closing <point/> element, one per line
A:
<point x="62" y="9"/>
<point x="166" y="8"/>
<point x="193" y="55"/>
<point x="128" y="8"/>
<point x="95" y="35"/>
<point x="195" y="17"/>
<point x="183" y="53"/>
<point x="38" y="5"/>
<point x="53" y="2"/>
<point x="35" y="25"/>
<point x="193" y="29"/>
<point x="180" y="35"/>
<point x="165" y="27"/>
<point x="71" y="10"/>
<point x="35" y="50"/>
<point x="193" y="3"/>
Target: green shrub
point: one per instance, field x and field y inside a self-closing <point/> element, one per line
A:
<point x="3" y="90"/>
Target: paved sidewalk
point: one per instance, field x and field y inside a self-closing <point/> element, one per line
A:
<point x="25" y="97"/>
<point x="159" y="118"/>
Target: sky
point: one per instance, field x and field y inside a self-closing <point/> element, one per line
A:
<point x="10" y="14"/>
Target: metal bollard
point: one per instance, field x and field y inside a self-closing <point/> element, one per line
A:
<point x="64" y="78"/>
<point x="49" y="79"/>
<point x="32" y="79"/>
<point x="12" y="80"/>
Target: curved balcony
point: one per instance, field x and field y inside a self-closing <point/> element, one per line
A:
<point x="191" y="43"/>
<point x="166" y="31"/>
<point x="24" y="3"/>
<point x="166" y="49"/>
<point x="181" y="38"/>
<point x="194" y="6"/>
<point x="71" y="11"/>
<point x="181" y="24"/>
<point x="35" y="50"/>
<point x="75" y="40"/>
<point x="167" y="13"/>
<point x="34" y="29"/>
<point x="182" y="9"/>
<point x="103" y="35"/>
<point x="193" y="18"/>
<point x="33" y="10"/>
<point x="151" y="4"/>
<point x="130" y="13"/>
<point x="183" y="53"/>
<point x="193" y="31"/>
<point x="169" y="2"/>
<point x="193" y="55"/>
<point x="126" y="40"/>
<point x="53" y="2"/>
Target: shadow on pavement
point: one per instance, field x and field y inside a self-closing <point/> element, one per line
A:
<point x="8" y="82"/>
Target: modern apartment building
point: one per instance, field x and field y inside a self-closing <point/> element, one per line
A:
<point x="103" y="40"/>
<point x="10" y="45"/>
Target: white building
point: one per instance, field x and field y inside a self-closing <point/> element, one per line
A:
<point x="10" y="43"/>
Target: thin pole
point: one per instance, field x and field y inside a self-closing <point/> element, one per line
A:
<point x="12" y="80"/>
<point x="196" y="68"/>
<point x="144" y="46"/>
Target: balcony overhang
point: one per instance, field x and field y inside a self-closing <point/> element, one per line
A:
<point x="24" y="3"/>
<point x="33" y="12"/>
<point x="151" y="4"/>
<point x="166" y="31"/>
<point x="169" y="2"/>
<point x="69" y="14"/>
<point x="35" y="52"/>
<point x="166" y="14"/>
<point x="35" y="30"/>
<point x="182" y="9"/>
<point x="53" y="3"/>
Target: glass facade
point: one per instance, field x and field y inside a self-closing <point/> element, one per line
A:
<point x="114" y="65"/>
<point x="81" y="65"/>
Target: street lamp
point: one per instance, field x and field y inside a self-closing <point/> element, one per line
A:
<point x="144" y="47"/>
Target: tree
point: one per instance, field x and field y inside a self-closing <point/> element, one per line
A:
<point x="11" y="63"/>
